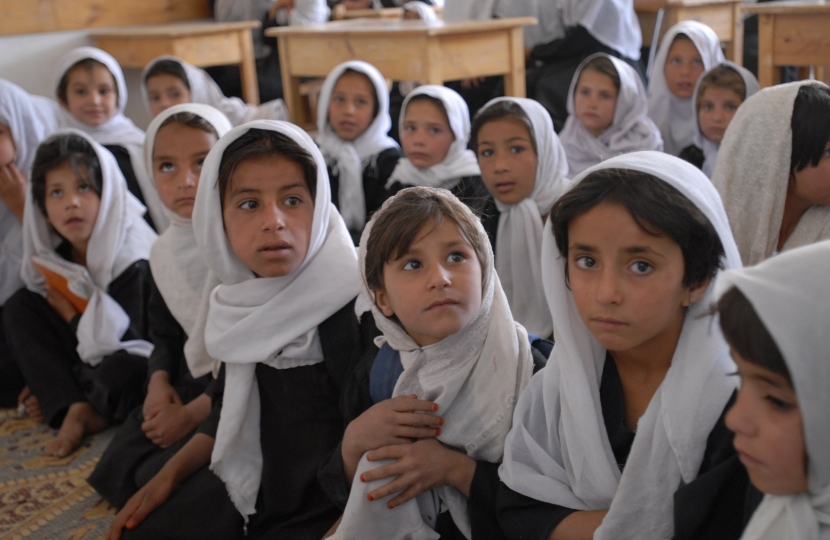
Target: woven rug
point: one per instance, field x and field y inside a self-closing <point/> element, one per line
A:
<point x="44" y="497"/>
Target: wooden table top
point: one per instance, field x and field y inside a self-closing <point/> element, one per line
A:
<point x="173" y="30"/>
<point x="801" y="7"/>
<point x="398" y="27"/>
<point x="647" y="6"/>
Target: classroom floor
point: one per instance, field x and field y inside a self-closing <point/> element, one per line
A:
<point x="44" y="497"/>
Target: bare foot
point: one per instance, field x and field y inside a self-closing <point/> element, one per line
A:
<point x="81" y="419"/>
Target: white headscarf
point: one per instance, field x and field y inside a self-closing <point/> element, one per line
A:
<point x="119" y="238"/>
<point x="424" y="11"/>
<point x="179" y="270"/>
<point x="789" y="293"/>
<point x="558" y="450"/>
<point x="349" y="158"/>
<point x="489" y="357"/>
<point x="265" y="320"/>
<point x="118" y="130"/>
<point x="632" y="130"/>
<point x="519" y="236"/>
<point x="459" y="162"/>
<point x="710" y="148"/>
<point x="753" y="173"/>
<point x="203" y="89"/>
<point x="676" y="117"/>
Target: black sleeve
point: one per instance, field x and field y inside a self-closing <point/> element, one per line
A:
<point x="122" y="157"/>
<point x="131" y="290"/>
<point x="578" y="41"/>
<point x="483" y="492"/>
<point x="167" y="335"/>
<point x="211" y="423"/>
<point x="375" y="177"/>
<point x="693" y="155"/>
<point x="524" y="518"/>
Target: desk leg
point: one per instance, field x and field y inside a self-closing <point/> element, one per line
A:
<point x="735" y="48"/>
<point x="247" y="68"/>
<point x="514" y="81"/>
<point x="290" y="85"/>
<point x="766" y="68"/>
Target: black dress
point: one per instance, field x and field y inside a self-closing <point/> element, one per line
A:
<point x="44" y="346"/>
<point x="126" y="166"/>
<point x="470" y="190"/>
<point x="300" y="424"/>
<point x="693" y="155"/>
<point x="707" y="499"/>
<point x="11" y="379"/>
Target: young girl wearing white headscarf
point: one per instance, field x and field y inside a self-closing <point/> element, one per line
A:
<point x="774" y="169"/>
<point x="86" y="366"/>
<point x="630" y="128"/>
<point x="594" y="449"/>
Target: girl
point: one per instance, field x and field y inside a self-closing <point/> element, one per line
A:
<point x="86" y="366"/>
<point x="171" y="81"/>
<point x="353" y="122"/>
<point x="282" y="320"/>
<point x="435" y="129"/>
<point x="774" y="170"/>
<point x="24" y="123"/>
<point x="629" y="412"/>
<point x="607" y="114"/>
<point x="448" y="339"/>
<point x="91" y="89"/>
<point x="689" y="48"/>
<point x="717" y="97"/>
<point x="178" y="390"/>
<point x="523" y="166"/>
<point x="775" y="317"/>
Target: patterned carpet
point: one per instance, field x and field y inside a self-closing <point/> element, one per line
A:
<point x="44" y="497"/>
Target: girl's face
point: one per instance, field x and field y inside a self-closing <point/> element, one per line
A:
<point x="352" y="105"/>
<point x="164" y="91"/>
<point x="268" y="213"/>
<point x="71" y="205"/>
<point x="507" y="160"/>
<point x="91" y="95"/>
<point x="178" y="154"/>
<point x="683" y="68"/>
<point x="595" y="100"/>
<point x="627" y="283"/>
<point x="434" y="289"/>
<point x="717" y="108"/>
<point x="769" y="435"/>
<point x="6" y="146"/>
<point x="426" y="136"/>
<point x="812" y="184"/>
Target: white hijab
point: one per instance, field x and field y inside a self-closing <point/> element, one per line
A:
<point x="459" y="162"/>
<point x="349" y="158"/>
<point x="676" y="117"/>
<point x="519" y="236"/>
<point x="29" y="122"/>
<point x="489" y="357"/>
<point x="203" y="89"/>
<point x="119" y="238"/>
<point x="265" y="320"/>
<point x="710" y="148"/>
<point x="179" y="270"/>
<point x="118" y="130"/>
<point x="632" y="130"/>
<point x="753" y="173"/>
<point x="789" y="293"/>
<point x="558" y="450"/>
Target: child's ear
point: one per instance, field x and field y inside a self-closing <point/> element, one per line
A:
<point x="695" y="293"/>
<point x="382" y="302"/>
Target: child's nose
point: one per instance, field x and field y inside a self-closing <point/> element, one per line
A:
<point x="273" y="218"/>
<point x="739" y="418"/>
<point x="608" y="290"/>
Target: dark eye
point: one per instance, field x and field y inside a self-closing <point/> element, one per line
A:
<point x="517" y="149"/>
<point x="56" y="193"/>
<point x="293" y="201"/>
<point x="166" y="167"/>
<point x="248" y="205"/>
<point x="779" y="403"/>
<point x="641" y="267"/>
<point x="585" y="262"/>
<point x="456" y="257"/>
<point x="485" y="153"/>
<point x="411" y="265"/>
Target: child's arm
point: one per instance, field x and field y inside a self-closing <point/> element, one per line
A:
<point x="173" y="420"/>
<point x="579" y="525"/>
<point x="60" y="304"/>
<point x="13" y="189"/>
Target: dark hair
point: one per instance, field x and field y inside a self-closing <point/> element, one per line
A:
<point x="87" y="64"/>
<point x="257" y="143"/>
<point x="57" y="151"/>
<point x="810" y="126"/>
<point x="721" y="76"/>
<point x="747" y="335"/>
<point x="397" y="224"/>
<point x="604" y="66"/>
<point x="680" y="37"/>
<point x="658" y="209"/>
<point x="497" y="111"/>
<point x="371" y="85"/>
<point x="189" y="119"/>
<point x="429" y="99"/>
<point x="167" y="67"/>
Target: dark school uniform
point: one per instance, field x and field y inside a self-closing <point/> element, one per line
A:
<point x="693" y="155"/>
<point x="376" y="173"/>
<point x="11" y="380"/>
<point x="470" y="190"/>
<point x="526" y="518"/>
<point x="125" y="462"/>
<point x="300" y="424"/>
<point x="126" y="166"/>
<point x="373" y="380"/>
<point x="44" y="346"/>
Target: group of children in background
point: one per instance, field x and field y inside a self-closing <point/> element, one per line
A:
<point x="486" y="331"/>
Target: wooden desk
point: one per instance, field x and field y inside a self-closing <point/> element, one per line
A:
<point x="339" y="13"/>
<point x="792" y="33"/>
<point x="404" y="50"/>
<point x="723" y="16"/>
<point x="202" y="44"/>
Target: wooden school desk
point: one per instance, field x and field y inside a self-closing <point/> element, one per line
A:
<point x="791" y="33"/>
<point x="201" y="43"/>
<point x="404" y="51"/>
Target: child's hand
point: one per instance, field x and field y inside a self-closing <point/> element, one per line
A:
<point x="28" y="400"/>
<point x="13" y="189"/>
<point x="60" y="304"/>
<point x="288" y="5"/>
<point x="159" y="394"/>
<point x="148" y="498"/>
<point x="393" y="421"/>
<point x="420" y="466"/>
<point x="169" y="424"/>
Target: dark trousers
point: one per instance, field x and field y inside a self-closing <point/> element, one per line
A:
<point x="11" y="380"/>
